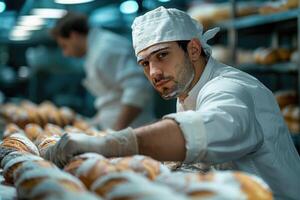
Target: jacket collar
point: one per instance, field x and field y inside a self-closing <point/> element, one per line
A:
<point x="190" y="101"/>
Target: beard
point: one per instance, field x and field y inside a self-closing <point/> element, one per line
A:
<point x="186" y="74"/>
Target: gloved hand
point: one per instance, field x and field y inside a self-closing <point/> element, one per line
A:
<point x="119" y="143"/>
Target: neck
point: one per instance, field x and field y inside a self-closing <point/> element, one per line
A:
<point x="199" y="67"/>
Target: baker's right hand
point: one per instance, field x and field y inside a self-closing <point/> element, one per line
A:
<point x="119" y="143"/>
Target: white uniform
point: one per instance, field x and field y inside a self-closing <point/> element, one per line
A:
<point x="112" y="75"/>
<point x="231" y="116"/>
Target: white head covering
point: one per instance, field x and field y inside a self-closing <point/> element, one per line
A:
<point x="166" y="25"/>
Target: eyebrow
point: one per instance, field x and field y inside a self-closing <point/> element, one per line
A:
<point x="139" y="59"/>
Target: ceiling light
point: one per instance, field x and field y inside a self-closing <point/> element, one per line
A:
<point x="49" y="12"/>
<point x="31" y="20"/>
<point x="19" y="33"/>
<point x="72" y="1"/>
<point x="20" y="38"/>
<point x="164" y="1"/>
<point x="28" y="28"/>
<point x="2" y="6"/>
<point x="129" y="7"/>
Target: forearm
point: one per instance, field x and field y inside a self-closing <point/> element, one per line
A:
<point x="127" y="115"/>
<point x="162" y="140"/>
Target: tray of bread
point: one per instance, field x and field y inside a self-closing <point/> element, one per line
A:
<point x="26" y="174"/>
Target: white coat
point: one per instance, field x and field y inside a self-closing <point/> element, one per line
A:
<point x="231" y="116"/>
<point x="112" y="75"/>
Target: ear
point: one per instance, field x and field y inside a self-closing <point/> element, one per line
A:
<point x="194" y="49"/>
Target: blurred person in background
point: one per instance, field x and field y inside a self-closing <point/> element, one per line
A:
<point x="123" y="95"/>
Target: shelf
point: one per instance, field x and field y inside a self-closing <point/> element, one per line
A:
<point x="286" y="67"/>
<point x="256" y="20"/>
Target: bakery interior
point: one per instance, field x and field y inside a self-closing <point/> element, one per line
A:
<point x="260" y="37"/>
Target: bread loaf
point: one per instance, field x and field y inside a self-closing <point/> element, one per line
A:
<point x="141" y="164"/>
<point x="19" y="142"/>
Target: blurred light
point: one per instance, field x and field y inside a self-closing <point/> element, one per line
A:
<point x="21" y="33"/>
<point x="19" y="38"/>
<point x="49" y="12"/>
<point x="129" y="7"/>
<point x="164" y="1"/>
<point x="28" y="28"/>
<point x="31" y="20"/>
<point x="72" y="1"/>
<point x="2" y="6"/>
<point x="24" y="72"/>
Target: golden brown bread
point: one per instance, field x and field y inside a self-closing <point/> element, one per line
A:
<point x="13" y="165"/>
<point x="32" y="165"/>
<point x="19" y="142"/>
<point x="67" y="115"/>
<point x="10" y="129"/>
<point x="286" y="97"/>
<point x="46" y="143"/>
<point x="81" y="124"/>
<point x="92" y="169"/>
<point x="252" y="188"/>
<point x="75" y="162"/>
<point x="140" y="164"/>
<point x="32" y="131"/>
<point x="52" y="129"/>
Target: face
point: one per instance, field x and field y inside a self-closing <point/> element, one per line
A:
<point x="168" y="68"/>
<point x="71" y="46"/>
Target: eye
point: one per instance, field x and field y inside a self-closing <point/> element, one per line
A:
<point x="162" y="55"/>
<point x="144" y="63"/>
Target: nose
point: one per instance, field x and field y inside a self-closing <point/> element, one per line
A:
<point x="155" y="70"/>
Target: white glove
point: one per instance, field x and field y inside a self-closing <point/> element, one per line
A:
<point x="119" y="143"/>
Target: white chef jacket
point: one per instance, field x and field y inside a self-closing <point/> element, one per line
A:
<point x="231" y="116"/>
<point x="112" y="75"/>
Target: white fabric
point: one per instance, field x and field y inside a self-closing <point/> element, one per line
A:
<point x="243" y="124"/>
<point x="112" y="75"/>
<point x="166" y="25"/>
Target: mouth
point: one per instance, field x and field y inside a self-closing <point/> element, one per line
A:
<point x="161" y="83"/>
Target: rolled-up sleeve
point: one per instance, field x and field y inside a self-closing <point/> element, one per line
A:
<point x="222" y="129"/>
<point x="194" y="133"/>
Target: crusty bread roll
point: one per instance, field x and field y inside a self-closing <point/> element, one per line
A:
<point x="129" y="186"/>
<point x="52" y="129"/>
<point x="291" y="112"/>
<point x="19" y="142"/>
<point x="67" y="115"/>
<point x="32" y="165"/>
<point x="91" y="169"/>
<point x="14" y="164"/>
<point x="141" y="164"/>
<point x="29" y="180"/>
<point x="265" y="56"/>
<point x="10" y="129"/>
<point x="286" y="97"/>
<point x="46" y="143"/>
<point x="253" y="186"/>
<point x="81" y="124"/>
<point x="225" y="184"/>
<point x="75" y="162"/>
<point x="32" y="131"/>
<point x="284" y="54"/>
<point x="104" y="185"/>
<point x="55" y="189"/>
<point x="12" y="155"/>
<point x="31" y="110"/>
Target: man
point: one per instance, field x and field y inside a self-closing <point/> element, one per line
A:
<point x="123" y="94"/>
<point x="223" y="114"/>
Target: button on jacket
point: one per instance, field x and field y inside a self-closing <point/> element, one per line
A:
<point x="229" y="116"/>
